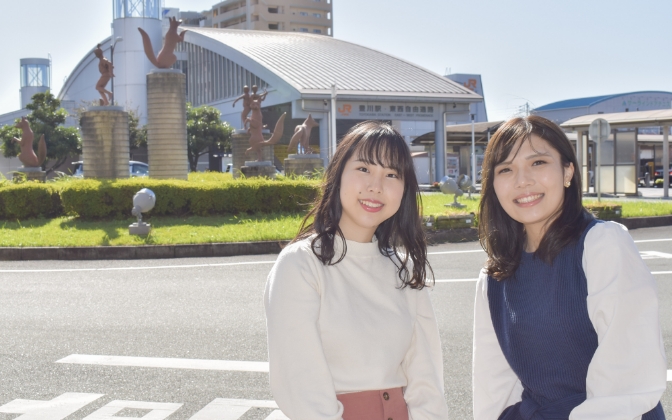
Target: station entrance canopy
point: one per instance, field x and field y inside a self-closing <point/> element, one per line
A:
<point x="619" y="154"/>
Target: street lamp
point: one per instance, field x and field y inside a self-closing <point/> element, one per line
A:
<point x="117" y="39"/>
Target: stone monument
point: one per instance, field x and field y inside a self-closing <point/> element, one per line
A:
<point x="304" y="162"/>
<point x="105" y="149"/>
<point x="32" y="163"/>
<point x="166" y="109"/>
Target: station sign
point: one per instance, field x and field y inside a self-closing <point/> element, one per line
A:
<point x="387" y="111"/>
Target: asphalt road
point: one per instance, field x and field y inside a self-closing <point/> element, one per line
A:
<point x="175" y="331"/>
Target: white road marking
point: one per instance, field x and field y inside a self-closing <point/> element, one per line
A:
<point x="67" y="404"/>
<point x="650" y="255"/>
<point x="156" y="267"/>
<point x="229" y="409"/>
<point x="669" y="375"/>
<point x="454" y="280"/>
<point x="652" y="240"/>
<point x="56" y="409"/>
<point x="164" y="362"/>
<point x="159" y="411"/>
<point x="454" y="252"/>
<point x="661" y="272"/>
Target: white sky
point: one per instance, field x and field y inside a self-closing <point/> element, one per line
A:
<point x="525" y="50"/>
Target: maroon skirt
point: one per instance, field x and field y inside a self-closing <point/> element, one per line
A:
<point x="386" y="404"/>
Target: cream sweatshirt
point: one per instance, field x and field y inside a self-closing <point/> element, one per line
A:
<point x="347" y="328"/>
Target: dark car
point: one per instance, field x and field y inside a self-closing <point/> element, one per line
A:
<point x="658" y="173"/>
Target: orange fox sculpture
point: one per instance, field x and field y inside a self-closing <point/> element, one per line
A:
<point x="301" y="136"/>
<point x="27" y="155"/>
<point x="254" y="127"/>
<point x="166" y="57"/>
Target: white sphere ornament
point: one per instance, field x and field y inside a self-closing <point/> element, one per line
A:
<point x="143" y="201"/>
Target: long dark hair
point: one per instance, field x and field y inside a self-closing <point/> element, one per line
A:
<point x="400" y="237"/>
<point x="503" y="238"/>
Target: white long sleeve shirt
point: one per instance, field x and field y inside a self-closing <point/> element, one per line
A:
<point x="346" y="328"/>
<point x="627" y="374"/>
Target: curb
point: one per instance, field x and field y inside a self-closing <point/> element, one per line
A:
<point x="230" y="249"/>
<point x="141" y="252"/>
<point x="645" y="222"/>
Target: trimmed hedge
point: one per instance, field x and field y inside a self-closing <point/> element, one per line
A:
<point x="29" y="200"/>
<point x="97" y="199"/>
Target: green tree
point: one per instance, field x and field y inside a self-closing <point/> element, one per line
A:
<point x="205" y="129"/>
<point x="137" y="136"/>
<point x="46" y="118"/>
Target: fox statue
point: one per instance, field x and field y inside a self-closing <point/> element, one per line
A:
<point x="27" y="155"/>
<point x="301" y="136"/>
<point x="166" y="57"/>
<point x="254" y="127"/>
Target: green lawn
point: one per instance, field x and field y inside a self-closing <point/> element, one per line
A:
<point x="66" y="231"/>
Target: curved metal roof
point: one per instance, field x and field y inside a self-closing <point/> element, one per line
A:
<point x="586" y="102"/>
<point x="312" y="63"/>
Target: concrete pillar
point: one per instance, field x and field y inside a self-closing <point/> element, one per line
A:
<point x="302" y="164"/>
<point x="666" y="161"/>
<point x="579" y="159"/>
<point x="440" y="146"/>
<point x="105" y="149"/>
<point x="324" y="139"/>
<point x="167" y="124"/>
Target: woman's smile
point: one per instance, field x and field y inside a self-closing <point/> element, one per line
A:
<point x="371" y="205"/>
<point x="529" y="200"/>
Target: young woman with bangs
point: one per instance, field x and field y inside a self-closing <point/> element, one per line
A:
<point x="351" y="329"/>
<point x="566" y="315"/>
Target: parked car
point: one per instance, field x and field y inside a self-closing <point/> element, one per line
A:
<point x="135" y="168"/>
<point x="658" y="173"/>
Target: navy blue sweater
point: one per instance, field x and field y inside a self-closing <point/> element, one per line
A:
<point x="541" y="320"/>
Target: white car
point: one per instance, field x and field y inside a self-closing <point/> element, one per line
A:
<point x="135" y="168"/>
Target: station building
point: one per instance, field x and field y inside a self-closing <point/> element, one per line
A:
<point x="338" y="82"/>
<point x="635" y="149"/>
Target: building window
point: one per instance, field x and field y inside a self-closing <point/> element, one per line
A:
<point x="273" y="26"/>
<point x="272" y="10"/>
<point x="317" y="15"/>
<point x="303" y="29"/>
<point x="303" y="13"/>
<point x="317" y="31"/>
<point x="215" y="12"/>
<point x="215" y="25"/>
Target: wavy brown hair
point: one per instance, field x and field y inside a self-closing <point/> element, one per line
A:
<point x="401" y="237"/>
<point x="503" y="238"/>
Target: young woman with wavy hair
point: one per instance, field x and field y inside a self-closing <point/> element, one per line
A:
<point x="566" y="315"/>
<point x="351" y="330"/>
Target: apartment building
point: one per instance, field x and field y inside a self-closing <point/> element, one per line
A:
<point x="310" y="16"/>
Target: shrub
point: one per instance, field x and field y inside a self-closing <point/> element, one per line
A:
<point x="105" y="199"/>
<point x="29" y="200"/>
<point x="605" y="211"/>
<point x="658" y="183"/>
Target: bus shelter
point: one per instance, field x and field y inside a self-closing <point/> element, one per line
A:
<point x="619" y="155"/>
